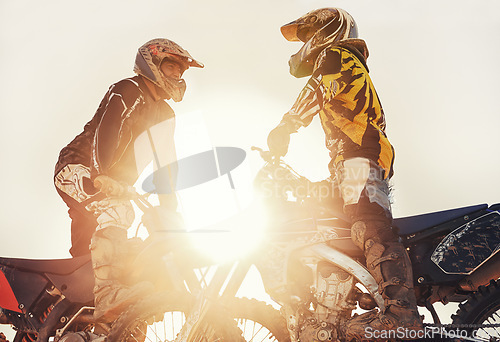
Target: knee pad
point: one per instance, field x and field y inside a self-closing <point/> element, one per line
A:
<point x="113" y="212"/>
<point x="362" y="183"/>
<point x="74" y="181"/>
<point x="378" y="231"/>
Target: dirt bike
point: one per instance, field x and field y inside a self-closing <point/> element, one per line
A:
<point x="310" y="266"/>
<point x="53" y="299"/>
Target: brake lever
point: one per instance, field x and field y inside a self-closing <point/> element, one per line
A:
<point x="266" y="155"/>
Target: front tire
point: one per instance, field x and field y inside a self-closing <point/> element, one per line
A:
<point x="159" y="318"/>
<point x="258" y="321"/>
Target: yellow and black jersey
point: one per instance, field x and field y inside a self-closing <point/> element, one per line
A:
<point x="341" y="91"/>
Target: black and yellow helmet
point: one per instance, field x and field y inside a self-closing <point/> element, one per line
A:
<point x="317" y="29"/>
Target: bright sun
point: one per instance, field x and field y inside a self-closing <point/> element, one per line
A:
<point x="221" y="215"/>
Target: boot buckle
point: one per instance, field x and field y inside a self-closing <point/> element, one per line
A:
<point x="390" y="256"/>
<point x="392" y="281"/>
<point x="386" y="321"/>
<point x="398" y="302"/>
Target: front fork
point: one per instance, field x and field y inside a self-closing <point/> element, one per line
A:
<point x="224" y="284"/>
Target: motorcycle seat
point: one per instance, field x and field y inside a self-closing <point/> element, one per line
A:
<point x="414" y="224"/>
<point x="53" y="266"/>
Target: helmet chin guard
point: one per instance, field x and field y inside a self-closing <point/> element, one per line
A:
<point x="317" y="29"/>
<point x="148" y="61"/>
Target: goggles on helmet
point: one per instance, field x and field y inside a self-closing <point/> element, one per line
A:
<point x="317" y="29"/>
<point x="148" y="62"/>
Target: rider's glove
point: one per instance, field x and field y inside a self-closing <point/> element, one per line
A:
<point x="109" y="186"/>
<point x="279" y="139"/>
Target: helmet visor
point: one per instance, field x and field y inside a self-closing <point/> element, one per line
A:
<point x="289" y="31"/>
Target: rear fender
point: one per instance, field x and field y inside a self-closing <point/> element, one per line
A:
<point x="8" y="300"/>
<point x="19" y="289"/>
<point x="78" y="286"/>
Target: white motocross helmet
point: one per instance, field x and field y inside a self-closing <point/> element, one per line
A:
<point x="148" y="61"/>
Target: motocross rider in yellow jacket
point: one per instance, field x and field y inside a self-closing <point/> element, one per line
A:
<point x="102" y="158"/>
<point x="341" y="92"/>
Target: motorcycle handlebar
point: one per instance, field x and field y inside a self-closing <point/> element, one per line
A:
<point x="140" y="200"/>
<point x="267" y="156"/>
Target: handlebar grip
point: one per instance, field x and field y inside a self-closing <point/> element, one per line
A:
<point x="97" y="183"/>
<point x="266" y="155"/>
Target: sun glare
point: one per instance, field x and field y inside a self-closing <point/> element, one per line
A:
<point x="220" y="213"/>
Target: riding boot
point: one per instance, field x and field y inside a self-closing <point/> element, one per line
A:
<point x="390" y="265"/>
<point x="109" y="254"/>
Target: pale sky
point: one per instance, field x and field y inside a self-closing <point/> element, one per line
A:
<point x="434" y="65"/>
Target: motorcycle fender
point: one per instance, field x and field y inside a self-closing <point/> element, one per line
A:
<point x="26" y="287"/>
<point x="349" y="265"/>
<point x="78" y="286"/>
<point x="8" y="300"/>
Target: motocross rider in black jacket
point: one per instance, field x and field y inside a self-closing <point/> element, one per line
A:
<point x="102" y="158"/>
<point x="341" y="92"/>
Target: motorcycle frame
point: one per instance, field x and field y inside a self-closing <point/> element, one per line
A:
<point x="229" y="276"/>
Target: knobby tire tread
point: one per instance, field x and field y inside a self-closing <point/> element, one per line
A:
<point x="157" y="305"/>
<point x="479" y="304"/>
<point x="259" y="312"/>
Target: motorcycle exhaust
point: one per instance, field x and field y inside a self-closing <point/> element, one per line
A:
<point x="490" y="270"/>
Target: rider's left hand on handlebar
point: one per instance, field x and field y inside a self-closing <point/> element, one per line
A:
<point x="278" y="140"/>
<point x="109" y="186"/>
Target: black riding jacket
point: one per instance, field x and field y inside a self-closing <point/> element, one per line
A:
<point x="106" y="144"/>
